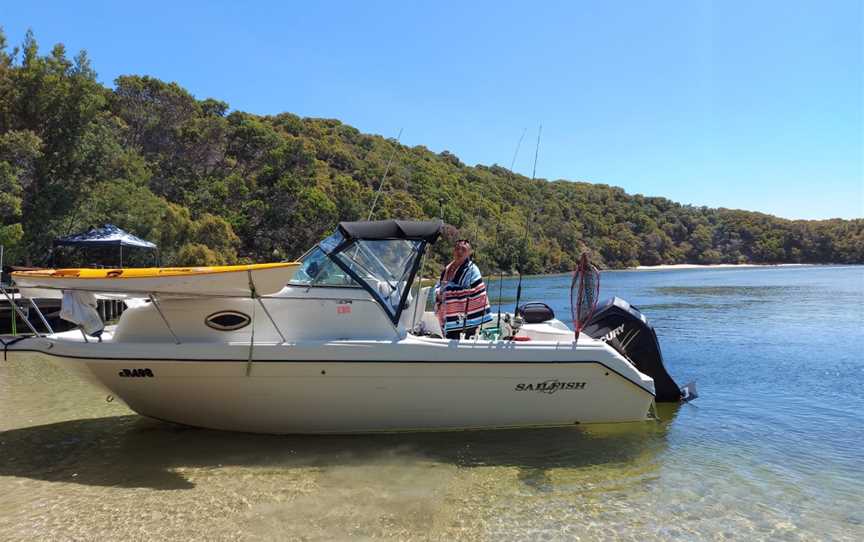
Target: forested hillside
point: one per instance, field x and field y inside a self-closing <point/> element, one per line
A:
<point x="211" y="185"/>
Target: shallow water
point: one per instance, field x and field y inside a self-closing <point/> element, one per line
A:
<point x="773" y="448"/>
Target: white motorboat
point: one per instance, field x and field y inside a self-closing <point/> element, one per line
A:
<point x="350" y="345"/>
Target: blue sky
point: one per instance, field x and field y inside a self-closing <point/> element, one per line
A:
<point x="751" y="105"/>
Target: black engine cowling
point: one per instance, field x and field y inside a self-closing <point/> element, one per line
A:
<point x="625" y="329"/>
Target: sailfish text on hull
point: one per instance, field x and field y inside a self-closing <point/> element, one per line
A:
<point x="550" y="386"/>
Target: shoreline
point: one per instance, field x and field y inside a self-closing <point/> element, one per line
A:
<point x="672" y="267"/>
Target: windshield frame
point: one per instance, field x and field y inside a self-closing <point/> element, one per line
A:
<point x="337" y="244"/>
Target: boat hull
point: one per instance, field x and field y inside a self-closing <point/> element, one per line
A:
<point x="364" y="386"/>
<point x="351" y="397"/>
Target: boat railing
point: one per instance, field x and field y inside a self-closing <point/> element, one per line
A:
<point x="10" y="298"/>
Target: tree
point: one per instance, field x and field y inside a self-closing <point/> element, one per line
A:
<point x="212" y="185"/>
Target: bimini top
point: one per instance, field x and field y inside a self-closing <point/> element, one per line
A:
<point x="108" y="235"/>
<point x="427" y="230"/>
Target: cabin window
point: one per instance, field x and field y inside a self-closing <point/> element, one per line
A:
<point x="320" y="270"/>
<point x="384" y="266"/>
<point x="227" y="320"/>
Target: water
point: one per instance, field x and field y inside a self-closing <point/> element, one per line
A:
<point x="773" y="449"/>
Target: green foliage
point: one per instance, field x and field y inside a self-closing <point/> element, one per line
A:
<point x="216" y="233"/>
<point x="214" y="186"/>
<point x="196" y="254"/>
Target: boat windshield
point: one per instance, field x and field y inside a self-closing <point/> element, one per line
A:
<point x="319" y="270"/>
<point x="384" y="266"/>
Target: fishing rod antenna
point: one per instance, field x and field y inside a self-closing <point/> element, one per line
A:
<point x="500" y="277"/>
<point x="527" y="227"/>
<point x="498" y="231"/>
<point x="516" y="152"/>
<point x="384" y="177"/>
<point x="536" y="152"/>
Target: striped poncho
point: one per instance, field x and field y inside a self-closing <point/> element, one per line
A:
<point x="462" y="297"/>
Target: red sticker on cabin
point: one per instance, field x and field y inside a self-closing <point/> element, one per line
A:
<point x="343" y="309"/>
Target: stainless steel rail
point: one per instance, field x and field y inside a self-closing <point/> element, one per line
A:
<point x="20" y="313"/>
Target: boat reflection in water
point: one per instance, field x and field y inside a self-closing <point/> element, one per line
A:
<point x="131" y="451"/>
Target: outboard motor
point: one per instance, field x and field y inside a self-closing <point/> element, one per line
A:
<point x="625" y="329"/>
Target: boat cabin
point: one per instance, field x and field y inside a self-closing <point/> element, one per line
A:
<point x="360" y="283"/>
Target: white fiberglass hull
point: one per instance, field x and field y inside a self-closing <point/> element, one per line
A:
<point x="504" y="385"/>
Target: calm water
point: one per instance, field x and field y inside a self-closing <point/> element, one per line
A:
<point x="773" y="448"/>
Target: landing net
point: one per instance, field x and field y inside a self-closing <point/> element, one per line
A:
<point x="584" y="292"/>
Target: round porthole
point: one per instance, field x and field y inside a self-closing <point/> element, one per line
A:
<point x="227" y="320"/>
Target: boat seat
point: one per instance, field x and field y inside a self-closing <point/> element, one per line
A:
<point x="535" y="312"/>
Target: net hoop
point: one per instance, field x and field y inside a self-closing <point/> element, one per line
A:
<point x="584" y="293"/>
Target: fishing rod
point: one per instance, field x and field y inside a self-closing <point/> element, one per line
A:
<point x="498" y="230"/>
<point x="500" y="278"/>
<point x="527" y="223"/>
<point x="384" y="177"/>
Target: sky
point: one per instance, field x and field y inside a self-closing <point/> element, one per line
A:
<point x="747" y="105"/>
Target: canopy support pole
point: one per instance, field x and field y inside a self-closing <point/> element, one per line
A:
<point x="272" y="321"/>
<point x="254" y="294"/>
<point x="19" y="312"/>
<point x="260" y="300"/>
<point x="42" y="317"/>
<point x="159" y="310"/>
<point x="251" y="345"/>
<point x="419" y="289"/>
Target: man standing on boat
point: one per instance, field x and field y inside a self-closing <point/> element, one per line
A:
<point x="461" y="302"/>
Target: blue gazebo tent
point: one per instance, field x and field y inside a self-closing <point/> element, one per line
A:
<point x="107" y="236"/>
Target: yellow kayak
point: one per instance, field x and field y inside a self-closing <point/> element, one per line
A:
<point x="230" y="280"/>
